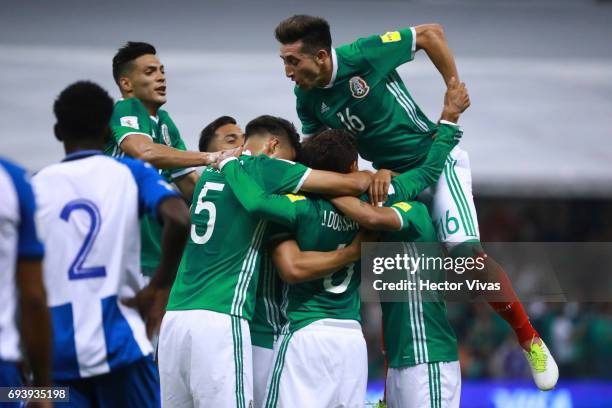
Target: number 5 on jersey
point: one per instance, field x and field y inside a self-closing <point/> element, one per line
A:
<point x="212" y="212"/>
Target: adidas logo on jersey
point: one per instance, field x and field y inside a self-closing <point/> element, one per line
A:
<point x="324" y="107"/>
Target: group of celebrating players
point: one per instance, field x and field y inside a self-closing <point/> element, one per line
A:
<point x="250" y="297"/>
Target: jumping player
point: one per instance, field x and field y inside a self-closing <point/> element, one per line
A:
<point x="356" y="87"/>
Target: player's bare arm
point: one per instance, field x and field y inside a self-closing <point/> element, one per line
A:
<point x="336" y="184"/>
<point x="295" y="265"/>
<point x="35" y="320"/>
<point x="431" y="38"/>
<point x="162" y="156"/>
<point x="151" y="301"/>
<point x="368" y="216"/>
<point x="324" y="182"/>
<point x="456" y="100"/>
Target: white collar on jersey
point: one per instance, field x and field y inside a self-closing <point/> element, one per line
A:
<point x="247" y="152"/>
<point x="334" y="69"/>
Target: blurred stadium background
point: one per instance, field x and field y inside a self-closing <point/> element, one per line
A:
<point x="540" y="79"/>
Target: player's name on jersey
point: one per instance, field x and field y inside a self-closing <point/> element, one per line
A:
<point x="431" y="285"/>
<point x="337" y="222"/>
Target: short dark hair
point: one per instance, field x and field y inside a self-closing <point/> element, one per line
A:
<point x="128" y="53"/>
<point x="276" y="126"/>
<point x="207" y="134"/>
<point x="332" y="150"/>
<point x="313" y="31"/>
<point x="82" y="110"/>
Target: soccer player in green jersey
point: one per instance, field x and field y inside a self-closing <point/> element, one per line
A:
<point x="324" y="340"/>
<point x="268" y="316"/>
<point x="356" y="86"/>
<point x="213" y="296"/>
<point x="141" y="129"/>
<point x="323" y="312"/>
<point x="420" y="345"/>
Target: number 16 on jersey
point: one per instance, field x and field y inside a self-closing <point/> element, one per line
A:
<point x="352" y="122"/>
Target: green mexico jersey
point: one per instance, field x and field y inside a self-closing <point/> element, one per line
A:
<point x="131" y="117"/>
<point x="219" y="270"/>
<point x="416" y="330"/>
<point x="292" y="211"/>
<point x="367" y="96"/>
<point x="270" y="316"/>
<point x="320" y="227"/>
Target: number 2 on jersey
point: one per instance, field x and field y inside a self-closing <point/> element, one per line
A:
<point x="77" y="270"/>
<point x="212" y="212"/>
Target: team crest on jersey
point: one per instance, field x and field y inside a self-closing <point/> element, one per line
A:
<point x="165" y="134"/>
<point x="359" y="87"/>
<point x="130" y="121"/>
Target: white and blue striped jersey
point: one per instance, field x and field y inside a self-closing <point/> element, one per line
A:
<point x="18" y="240"/>
<point x="88" y="216"/>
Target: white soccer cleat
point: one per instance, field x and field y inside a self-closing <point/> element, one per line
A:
<point x="543" y="366"/>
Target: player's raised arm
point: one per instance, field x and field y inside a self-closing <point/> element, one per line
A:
<point x="295" y="265"/>
<point x="431" y="38"/>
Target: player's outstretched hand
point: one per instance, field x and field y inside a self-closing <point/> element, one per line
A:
<point x="456" y="99"/>
<point x="224" y="154"/>
<point x="151" y="304"/>
<point x="379" y="188"/>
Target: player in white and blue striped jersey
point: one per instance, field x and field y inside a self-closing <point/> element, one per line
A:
<point x="89" y="209"/>
<point x="21" y="283"/>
